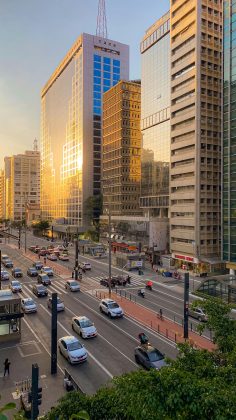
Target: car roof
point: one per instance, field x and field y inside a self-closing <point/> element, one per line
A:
<point x="15" y="281"/>
<point x="17" y="268"/>
<point x="69" y="339"/>
<point x="107" y="300"/>
<point x="82" y="318"/>
<point x="39" y="286"/>
<point x="27" y="299"/>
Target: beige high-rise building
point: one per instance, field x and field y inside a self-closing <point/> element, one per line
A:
<point x="22" y="183"/>
<point x="1" y="194"/>
<point x="122" y="149"/>
<point x="195" y="178"/>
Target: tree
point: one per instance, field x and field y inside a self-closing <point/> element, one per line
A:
<point x="6" y="407"/>
<point x="41" y="226"/>
<point x="195" y="386"/>
<point x="93" y="210"/>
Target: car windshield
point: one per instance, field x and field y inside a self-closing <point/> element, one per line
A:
<point x="113" y="305"/>
<point x="85" y="323"/>
<point x="45" y="276"/>
<point x="17" y="269"/>
<point x="59" y="300"/>
<point x="74" y="283"/>
<point x="41" y="288"/>
<point x="154" y="356"/>
<point x="29" y="302"/>
<point x="74" y="346"/>
<point x="15" y="283"/>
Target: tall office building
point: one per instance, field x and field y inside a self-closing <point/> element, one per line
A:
<point x="22" y="183"/>
<point x="229" y="137"/>
<point x="155" y="126"/>
<point x="2" y="199"/>
<point x="195" y="177"/>
<point x="122" y="149"/>
<point x="71" y="131"/>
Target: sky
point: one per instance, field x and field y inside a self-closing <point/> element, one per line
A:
<point x="35" y="35"/>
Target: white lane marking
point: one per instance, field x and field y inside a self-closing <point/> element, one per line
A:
<point x="90" y="354"/>
<point x="119" y="351"/>
<point x="45" y="348"/>
<point x="55" y="290"/>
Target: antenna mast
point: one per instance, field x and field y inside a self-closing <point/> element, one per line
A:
<point x="35" y="145"/>
<point x="101" y="20"/>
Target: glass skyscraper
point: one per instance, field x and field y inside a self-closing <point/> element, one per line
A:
<point x="71" y="114"/>
<point x="229" y="136"/>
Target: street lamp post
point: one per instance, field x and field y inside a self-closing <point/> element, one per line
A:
<point x="109" y="258"/>
<point x="25" y="237"/>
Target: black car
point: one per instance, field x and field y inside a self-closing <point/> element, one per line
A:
<point x="16" y="272"/>
<point x="32" y="272"/>
<point x="8" y="263"/>
<point x="40" y="290"/>
<point x="149" y="357"/>
<point x="38" y="265"/>
<point x="44" y="279"/>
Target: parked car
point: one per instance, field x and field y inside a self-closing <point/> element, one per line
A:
<point x="48" y="271"/>
<point x="38" y="265"/>
<point x="149" y="357"/>
<point x="198" y="313"/>
<point x="39" y="290"/>
<point x="63" y="257"/>
<point x="60" y="304"/>
<point x="44" y="279"/>
<point x="8" y="263"/>
<point x="28" y="305"/>
<point x="71" y="348"/>
<point x="84" y="327"/>
<point x="72" y="285"/>
<point x="111" y="308"/>
<point x="52" y="257"/>
<point x="86" y="266"/>
<point x="16" y="272"/>
<point x="4" y="275"/>
<point x="15" y="286"/>
<point x="32" y="272"/>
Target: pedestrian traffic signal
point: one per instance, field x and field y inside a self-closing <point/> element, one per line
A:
<point x="39" y="396"/>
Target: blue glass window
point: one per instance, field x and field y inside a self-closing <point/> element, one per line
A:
<point x="97" y="102"/>
<point x="97" y="80"/>
<point x="116" y="63"/>
<point x="106" y="67"/>
<point x="116" y="70"/>
<point x="97" y="58"/>
<point x="97" y="88"/>
<point x="106" y="82"/>
<point x="97" y="95"/>
<point x="97" y="73"/>
<point x="97" y="110"/>
<point x="105" y="88"/>
<point x="97" y="66"/>
<point x="114" y="82"/>
<point x="106" y="60"/>
<point x="116" y="77"/>
<point x="106" y="75"/>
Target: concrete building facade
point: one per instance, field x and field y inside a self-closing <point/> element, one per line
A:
<point x="71" y="131"/>
<point x="155" y="126"/>
<point x="195" y="174"/>
<point x="122" y="149"/>
<point x="2" y="195"/>
<point x="22" y="183"/>
<point x="229" y="138"/>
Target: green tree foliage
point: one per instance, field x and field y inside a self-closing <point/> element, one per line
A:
<point x="42" y="225"/>
<point x="198" y="385"/>
<point x="4" y="408"/>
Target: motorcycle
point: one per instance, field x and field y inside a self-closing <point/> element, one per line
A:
<point x="141" y="292"/>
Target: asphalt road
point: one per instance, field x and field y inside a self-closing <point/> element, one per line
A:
<point x="111" y="353"/>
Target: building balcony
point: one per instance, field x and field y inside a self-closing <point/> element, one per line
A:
<point x="180" y="208"/>
<point x="182" y="12"/>
<point x="183" y="78"/>
<point x="182" y="221"/>
<point x="183" y="90"/>
<point x="190" y="60"/>
<point x="183" y="233"/>
<point x="183" y="195"/>
<point x="185" y="22"/>
<point x="186" y="113"/>
<point x="189" y="167"/>
<point x="182" y="248"/>
<point x="181" y="144"/>
<point x="183" y="37"/>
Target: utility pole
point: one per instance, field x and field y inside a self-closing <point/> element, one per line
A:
<point x="52" y="234"/>
<point x="25" y="237"/>
<point x="76" y="259"/>
<point x="54" y="335"/>
<point x="109" y="258"/>
<point x="0" y="269"/>
<point x="19" y="239"/>
<point x="186" y="303"/>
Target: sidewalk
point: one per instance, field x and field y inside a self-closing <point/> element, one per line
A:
<point x="165" y="327"/>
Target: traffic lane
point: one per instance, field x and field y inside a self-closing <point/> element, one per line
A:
<point x="126" y="326"/>
<point x="90" y="375"/>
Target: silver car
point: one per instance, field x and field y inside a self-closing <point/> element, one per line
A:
<point x="4" y="275"/>
<point x="48" y="271"/>
<point x="15" y="286"/>
<point x="149" y="357"/>
<point x="72" y="285"/>
<point x="60" y="304"/>
<point x="71" y="348"/>
<point x="28" y="305"/>
<point x="198" y="314"/>
<point x="84" y="327"/>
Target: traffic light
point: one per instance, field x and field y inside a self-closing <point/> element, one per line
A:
<point x="39" y="396"/>
<point x="35" y="395"/>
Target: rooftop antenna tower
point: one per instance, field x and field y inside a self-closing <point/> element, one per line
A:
<point x="35" y="145"/>
<point x="102" y="20"/>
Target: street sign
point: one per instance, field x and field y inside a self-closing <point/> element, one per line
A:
<point x="139" y="263"/>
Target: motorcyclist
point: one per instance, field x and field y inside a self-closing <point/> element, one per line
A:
<point x="141" y="292"/>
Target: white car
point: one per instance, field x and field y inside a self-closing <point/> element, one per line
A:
<point x="111" y="308"/>
<point x="71" y="348"/>
<point x="84" y="327"/>
<point x="28" y="305"/>
<point x="52" y="257"/>
<point x="48" y="271"/>
<point x="86" y="266"/>
<point x="60" y="304"/>
<point x="63" y="257"/>
<point x="15" y="286"/>
<point x="72" y="285"/>
<point x="4" y="275"/>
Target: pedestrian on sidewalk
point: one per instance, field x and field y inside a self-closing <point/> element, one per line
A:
<point x="7" y="367"/>
<point x="72" y="274"/>
<point x="161" y="314"/>
<point x="45" y="260"/>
